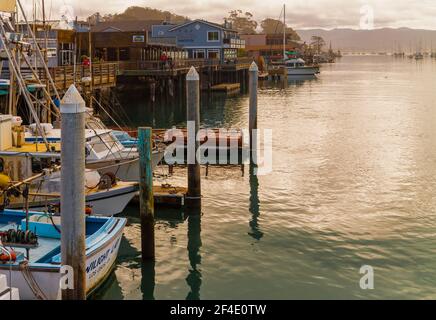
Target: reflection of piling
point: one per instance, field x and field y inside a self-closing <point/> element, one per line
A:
<point x="194" y="244"/>
<point x="146" y="193"/>
<point x="253" y="82"/>
<point x="73" y="191"/>
<point x="254" y="209"/>
<point x="193" y="116"/>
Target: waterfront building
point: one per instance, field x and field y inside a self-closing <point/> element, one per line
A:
<point x="203" y="39"/>
<point x="268" y="45"/>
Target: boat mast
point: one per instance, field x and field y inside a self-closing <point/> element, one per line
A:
<point x="284" y="32"/>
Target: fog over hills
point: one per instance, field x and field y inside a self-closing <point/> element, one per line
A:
<point x="386" y="39"/>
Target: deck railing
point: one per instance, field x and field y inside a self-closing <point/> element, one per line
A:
<point x="103" y="74"/>
<point x="179" y="64"/>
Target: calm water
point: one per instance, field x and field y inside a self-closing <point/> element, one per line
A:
<point x="353" y="183"/>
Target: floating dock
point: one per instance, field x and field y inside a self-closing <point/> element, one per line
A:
<point x="228" y="88"/>
<point x="167" y="195"/>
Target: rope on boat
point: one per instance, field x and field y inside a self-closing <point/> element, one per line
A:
<point x="31" y="282"/>
<point x="117" y="164"/>
<point x="3" y="249"/>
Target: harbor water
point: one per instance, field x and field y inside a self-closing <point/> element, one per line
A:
<point x="353" y="184"/>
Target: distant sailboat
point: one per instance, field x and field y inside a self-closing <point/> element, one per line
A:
<point x="295" y="66"/>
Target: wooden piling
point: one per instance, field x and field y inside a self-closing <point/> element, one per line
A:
<point x="146" y="193"/>
<point x="73" y="191"/>
<point x="193" y="198"/>
<point x="253" y="83"/>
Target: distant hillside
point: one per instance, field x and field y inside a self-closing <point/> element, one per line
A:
<point x="376" y="40"/>
<point x="141" y="13"/>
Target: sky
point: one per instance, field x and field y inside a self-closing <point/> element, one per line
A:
<point x="300" y="14"/>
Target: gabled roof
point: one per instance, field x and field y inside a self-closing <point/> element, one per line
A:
<point x="125" y="26"/>
<point x="212" y="24"/>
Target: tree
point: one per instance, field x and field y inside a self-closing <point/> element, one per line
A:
<point x="141" y="13"/>
<point x="273" y="26"/>
<point x="318" y="43"/>
<point x="242" y="22"/>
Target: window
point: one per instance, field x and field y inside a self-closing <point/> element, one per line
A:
<point x="198" y="54"/>
<point x="124" y="54"/>
<point x="213" y="54"/>
<point x="213" y="36"/>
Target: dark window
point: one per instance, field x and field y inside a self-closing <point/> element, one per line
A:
<point x="213" y="36"/>
<point x="124" y="54"/>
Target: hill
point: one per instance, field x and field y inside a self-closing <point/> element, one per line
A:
<point x="386" y="39"/>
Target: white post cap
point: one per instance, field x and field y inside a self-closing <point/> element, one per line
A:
<point x="72" y="102"/>
<point x="253" y="67"/>
<point x="192" y="75"/>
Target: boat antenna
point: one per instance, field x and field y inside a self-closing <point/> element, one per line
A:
<point x="284" y="32"/>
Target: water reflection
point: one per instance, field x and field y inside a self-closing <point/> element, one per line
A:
<point x="254" y="204"/>
<point x="194" y="244"/>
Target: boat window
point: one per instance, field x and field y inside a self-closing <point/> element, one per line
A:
<point x="39" y="164"/>
<point x="105" y="141"/>
<point x="2" y="165"/>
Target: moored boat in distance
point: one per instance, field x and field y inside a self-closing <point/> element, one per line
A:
<point x="297" y="67"/>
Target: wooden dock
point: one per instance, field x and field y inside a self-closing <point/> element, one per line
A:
<point x="166" y="195"/>
<point x="227" y="88"/>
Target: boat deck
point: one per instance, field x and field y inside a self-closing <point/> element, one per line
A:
<point x="44" y="246"/>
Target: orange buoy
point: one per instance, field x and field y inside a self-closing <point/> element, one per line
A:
<point x="4" y="257"/>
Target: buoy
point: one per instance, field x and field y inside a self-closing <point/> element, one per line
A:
<point x="4" y="257"/>
<point x="5" y="181"/>
<point x="88" y="210"/>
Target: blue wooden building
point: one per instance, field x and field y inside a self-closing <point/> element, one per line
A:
<point x="203" y="39"/>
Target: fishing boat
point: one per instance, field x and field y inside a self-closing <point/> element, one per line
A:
<point x="297" y="67"/>
<point x="104" y="195"/>
<point x="34" y="265"/>
<point x="104" y="152"/>
<point x="19" y="161"/>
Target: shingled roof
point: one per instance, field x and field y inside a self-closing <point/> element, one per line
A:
<point x="125" y="26"/>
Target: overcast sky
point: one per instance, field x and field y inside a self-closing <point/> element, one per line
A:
<point x="300" y="13"/>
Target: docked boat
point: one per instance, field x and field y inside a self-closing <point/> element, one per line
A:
<point x="104" y="152"/>
<point x="297" y="67"/>
<point x="293" y="65"/>
<point x="19" y="161"/>
<point x="104" y="195"/>
<point x="34" y="265"/>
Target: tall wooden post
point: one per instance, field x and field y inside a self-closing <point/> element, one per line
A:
<point x="193" y="117"/>
<point x="252" y="87"/>
<point x="146" y="193"/>
<point x="73" y="191"/>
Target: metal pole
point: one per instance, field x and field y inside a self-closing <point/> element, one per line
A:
<point x="146" y="193"/>
<point x="252" y="87"/>
<point x="193" y="117"/>
<point x="73" y="191"/>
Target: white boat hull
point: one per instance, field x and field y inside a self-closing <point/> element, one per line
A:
<point x="302" y="71"/>
<point x="103" y="203"/>
<point x="126" y="169"/>
<point x="99" y="264"/>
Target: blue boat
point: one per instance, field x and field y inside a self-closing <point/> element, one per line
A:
<point x="38" y="277"/>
